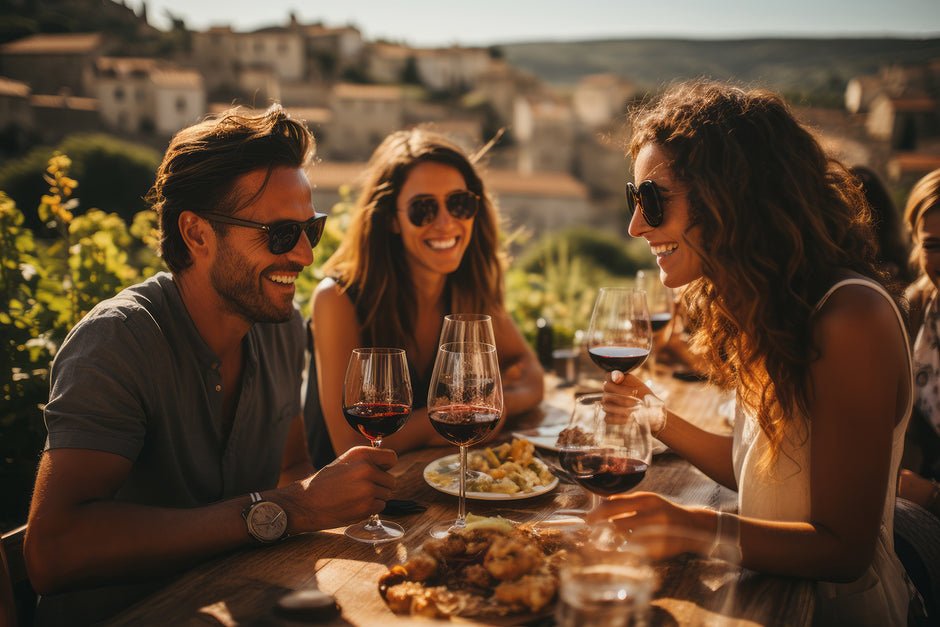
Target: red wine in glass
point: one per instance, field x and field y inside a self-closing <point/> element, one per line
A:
<point x="464" y="425"/>
<point x="601" y="473"/>
<point x="622" y="358"/>
<point x="658" y="321"/>
<point x="377" y="400"/>
<point x="465" y="403"/>
<point x="377" y="420"/>
<point x="620" y="336"/>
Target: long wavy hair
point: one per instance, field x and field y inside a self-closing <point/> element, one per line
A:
<point x="780" y="222"/>
<point x="370" y="262"/>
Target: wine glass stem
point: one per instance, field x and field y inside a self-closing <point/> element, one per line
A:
<point x="462" y="502"/>
<point x="374" y="522"/>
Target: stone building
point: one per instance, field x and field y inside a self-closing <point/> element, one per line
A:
<point x="54" y="63"/>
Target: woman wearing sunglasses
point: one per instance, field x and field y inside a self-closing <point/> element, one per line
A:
<point x="423" y="242"/>
<point x="772" y="240"/>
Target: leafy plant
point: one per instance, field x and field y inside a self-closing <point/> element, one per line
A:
<point x="47" y="286"/>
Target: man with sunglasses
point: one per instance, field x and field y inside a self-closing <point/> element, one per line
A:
<point x="174" y="419"/>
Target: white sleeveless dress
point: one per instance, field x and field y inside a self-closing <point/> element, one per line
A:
<point x="880" y="597"/>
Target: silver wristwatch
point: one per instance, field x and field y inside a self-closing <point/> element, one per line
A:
<point x="267" y="521"/>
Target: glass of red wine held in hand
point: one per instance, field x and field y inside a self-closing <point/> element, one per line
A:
<point x="620" y="337"/>
<point x="607" y="446"/>
<point x="465" y="403"/>
<point x="376" y="402"/>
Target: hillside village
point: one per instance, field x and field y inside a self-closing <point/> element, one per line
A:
<point x="556" y="159"/>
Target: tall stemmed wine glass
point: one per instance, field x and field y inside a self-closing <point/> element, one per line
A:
<point x="620" y="337"/>
<point x="467" y="327"/>
<point x="607" y="446"/>
<point x="465" y="403"/>
<point x="376" y="402"/>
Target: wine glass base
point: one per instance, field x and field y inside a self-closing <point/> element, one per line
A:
<point x="374" y="534"/>
<point x="441" y="531"/>
<point x="563" y="520"/>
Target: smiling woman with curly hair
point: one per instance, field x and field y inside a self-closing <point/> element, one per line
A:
<point x="772" y="239"/>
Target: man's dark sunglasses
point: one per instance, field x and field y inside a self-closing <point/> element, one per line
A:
<point x="282" y="236"/>
<point x="462" y="204"/>
<point x="647" y="197"/>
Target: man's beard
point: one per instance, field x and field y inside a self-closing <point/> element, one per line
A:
<point x="241" y="288"/>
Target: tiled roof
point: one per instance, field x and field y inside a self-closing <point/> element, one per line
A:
<point x="329" y="175"/>
<point x="915" y="162"/>
<point x="123" y="67"/>
<point x="57" y="43"/>
<point x="10" y="87"/>
<point x="54" y="101"/>
<point x="367" y="92"/>
<point x="176" y="77"/>
<point x="536" y="184"/>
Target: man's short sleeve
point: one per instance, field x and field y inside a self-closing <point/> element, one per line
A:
<point x="99" y="382"/>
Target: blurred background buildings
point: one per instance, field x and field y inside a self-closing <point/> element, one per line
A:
<point x="558" y="160"/>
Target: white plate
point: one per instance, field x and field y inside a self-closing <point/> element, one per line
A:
<point x="545" y="437"/>
<point x="452" y="462"/>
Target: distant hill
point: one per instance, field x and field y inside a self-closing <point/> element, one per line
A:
<point x="815" y="69"/>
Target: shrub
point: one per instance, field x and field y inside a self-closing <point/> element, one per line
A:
<point x="46" y="286"/>
<point x="115" y="175"/>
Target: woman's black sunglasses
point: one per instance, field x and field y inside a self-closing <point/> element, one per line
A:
<point x="647" y="197"/>
<point x="462" y="204"/>
<point x="282" y="236"/>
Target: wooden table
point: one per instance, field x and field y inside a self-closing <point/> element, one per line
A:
<point x="243" y="587"/>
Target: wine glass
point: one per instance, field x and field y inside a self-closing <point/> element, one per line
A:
<point x="376" y="403"/>
<point x="607" y="446"/>
<point x="467" y="327"/>
<point x="662" y="304"/>
<point x="465" y="403"/>
<point x="620" y="336"/>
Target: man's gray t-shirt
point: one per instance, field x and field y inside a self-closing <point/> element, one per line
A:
<point x="135" y="378"/>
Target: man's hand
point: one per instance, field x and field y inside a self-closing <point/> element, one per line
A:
<point x="351" y="488"/>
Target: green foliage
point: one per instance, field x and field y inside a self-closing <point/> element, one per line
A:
<point x="336" y="226"/>
<point x="616" y="254"/>
<point x="115" y="175"/>
<point x="46" y="287"/>
<point x="558" y="278"/>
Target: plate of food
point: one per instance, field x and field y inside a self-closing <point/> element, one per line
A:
<point x="491" y="570"/>
<point x="547" y="438"/>
<point x="501" y="473"/>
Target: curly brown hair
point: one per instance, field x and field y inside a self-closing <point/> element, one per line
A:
<point x="370" y="262"/>
<point x="780" y="222"/>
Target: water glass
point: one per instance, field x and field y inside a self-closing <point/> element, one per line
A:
<point x="605" y="587"/>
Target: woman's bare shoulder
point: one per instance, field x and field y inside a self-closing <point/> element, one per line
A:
<point x="329" y="298"/>
<point x="854" y="312"/>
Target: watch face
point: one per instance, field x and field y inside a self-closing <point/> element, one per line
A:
<point x="267" y="521"/>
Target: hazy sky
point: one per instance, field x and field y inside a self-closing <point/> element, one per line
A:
<point x="481" y="22"/>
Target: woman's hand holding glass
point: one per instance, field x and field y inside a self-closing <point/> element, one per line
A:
<point x="607" y="446"/>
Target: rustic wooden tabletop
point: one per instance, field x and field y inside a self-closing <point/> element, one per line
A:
<point x="243" y="587"/>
